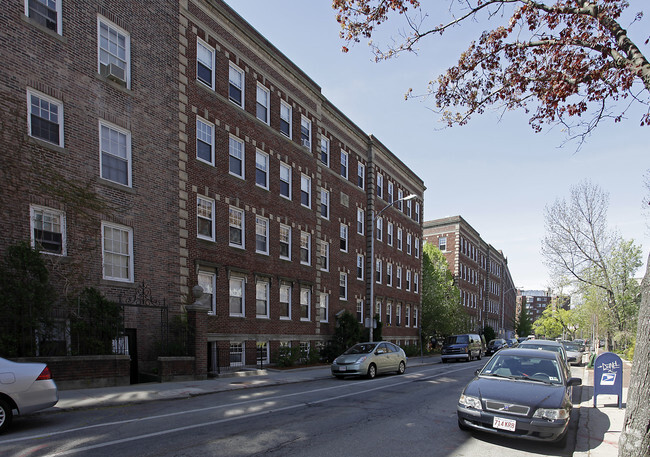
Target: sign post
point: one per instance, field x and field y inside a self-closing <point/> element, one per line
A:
<point x="608" y="376"/>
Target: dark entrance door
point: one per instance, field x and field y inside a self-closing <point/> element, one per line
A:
<point x="132" y="338"/>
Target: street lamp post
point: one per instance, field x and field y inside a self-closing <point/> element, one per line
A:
<point x="372" y="260"/>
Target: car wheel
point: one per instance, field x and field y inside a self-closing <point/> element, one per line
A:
<point x="372" y="371"/>
<point x="478" y="357"/>
<point x="462" y="426"/>
<point x="402" y="368"/>
<point x="5" y="415"/>
<point x="444" y="360"/>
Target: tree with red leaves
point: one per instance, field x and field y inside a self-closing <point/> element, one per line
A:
<point x="566" y="62"/>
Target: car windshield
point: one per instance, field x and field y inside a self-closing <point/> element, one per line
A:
<point x="523" y="368"/>
<point x="457" y="339"/>
<point x="363" y="348"/>
<point x="572" y="347"/>
<point x="546" y="347"/>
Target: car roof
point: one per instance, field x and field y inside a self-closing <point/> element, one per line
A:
<point x="519" y="351"/>
<point x="541" y="343"/>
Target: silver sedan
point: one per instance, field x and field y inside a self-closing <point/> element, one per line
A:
<point x="370" y="359"/>
<point x="25" y="387"/>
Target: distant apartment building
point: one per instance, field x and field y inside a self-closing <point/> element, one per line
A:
<point x="481" y="273"/>
<point x="169" y="144"/>
<point x="536" y="301"/>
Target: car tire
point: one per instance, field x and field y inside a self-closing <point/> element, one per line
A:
<point x="6" y="415"/>
<point x="478" y="357"/>
<point x="372" y="371"/>
<point x="462" y="426"/>
<point x="401" y="368"/>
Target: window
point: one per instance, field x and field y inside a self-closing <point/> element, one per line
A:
<point x="236" y="85"/>
<point x="390" y="234"/>
<point x="380" y="229"/>
<point x="378" y="309"/>
<point x="115" y="154"/>
<point x="361" y="217"/>
<point x="325" y="203"/>
<point x="361" y="175"/>
<point x="236" y="354"/>
<point x="343" y="286"/>
<point x="205" y="218"/>
<point x="417" y="212"/>
<point x="113" y="51"/>
<point x="237" y="296"/>
<point x="45" y="12"/>
<point x="305" y="242"/>
<point x="285" y="242"/>
<point x="285" y="180"/>
<point x="305" y="304"/>
<point x="48" y="230"/>
<point x="325" y="151"/>
<point x="408" y="243"/>
<point x="407" y="317"/>
<point x="323" y="307"/>
<point x="380" y="186"/>
<point x="236" y="157"/>
<point x="409" y="208"/>
<point x="262" y="105"/>
<point x="344" y="238"/>
<point x="360" y="311"/>
<point x="208" y="281"/>
<point x="323" y="255"/>
<point x="415" y="317"/>
<point x="285" y="119"/>
<point x="417" y="248"/>
<point x="262" y="169"/>
<point x="390" y="192"/>
<point x="378" y="271"/>
<point x="45" y="118"/>
<point x="344" y="164"/>
<point x="236" y="223"/>
<point x="117" y="252"/>
<point x="262" y="299"/>
<point x="415" y="282"/>
<point x="205" y="63"/>
<point x="261" y="235"/>
<point x="360" y="262"/>
<point x="399" y="277"/>
<point x="305" y="132"/>
<point x="398" y="315"/>
<point x="442" y="243"/>
<point x="389" y="274"/>
<point x="400" y="196"/>
<point x="204" y="141"/>
<point x="305" y="191"/>
<point x="408" y="279"/>
<point x="399" y="238"/>
<point x="285" y="301"/>
<point x="389" y="314"/>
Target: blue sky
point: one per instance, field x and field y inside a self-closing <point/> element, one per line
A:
<point x="495" y="172"/>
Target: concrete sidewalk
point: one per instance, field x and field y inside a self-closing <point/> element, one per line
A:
<point x="598" y="428"/>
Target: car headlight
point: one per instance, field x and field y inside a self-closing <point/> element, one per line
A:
<point x="470" y="402"/>
<point x="551" y="414"/>
<point x="361" y="359"/>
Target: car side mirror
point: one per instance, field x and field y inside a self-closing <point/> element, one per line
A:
<point x="575" y="382"/>
<point x="476" y="372"/>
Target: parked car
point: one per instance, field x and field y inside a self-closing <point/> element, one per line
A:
<point x="494" y="345"/>
<point x="370" y="359"/>
<point x="521" y="339"/>
<point x="521" y="393"/>
<point x="25" y="387"/>
<point x="467" y="346"/>
<point x="547" y="345"/>
<point x="573" y="353"/>
<point x="512" y="342"/>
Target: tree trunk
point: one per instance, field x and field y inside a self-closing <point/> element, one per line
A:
<point x="635" y="437"/>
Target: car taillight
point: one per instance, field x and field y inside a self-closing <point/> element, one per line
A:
<point x="45" y="374"/>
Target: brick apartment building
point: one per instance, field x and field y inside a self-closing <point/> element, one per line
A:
<point x="536" y="301"/>
<point x="169" y="144"/>
<point x="481" y="273"/>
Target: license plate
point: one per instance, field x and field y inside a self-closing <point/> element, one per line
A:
<point x="343" y="368"/>
<point x="504" y="424"/>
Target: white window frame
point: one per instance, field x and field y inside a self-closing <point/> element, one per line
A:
<point x="288" y="229"/>
<point x="285" y="289"/>
<point x="344" y="238"/>
<point x="242" y="227"/>
<point x="400" y="196"/>
<point x="409" y="209"/>
<point x="408" y="280"/>
<point x="389" y="274"/>
<point x="417" y="248"/>
<point x="343" y="286"/>
<point x="233" y="151"/>
<point x="407" y="316"/>
<point x="324" y="253"/>
<point x="200" y="44"/>
<point x="416" y="283"/>
<point x="208" y="282"/>
<point x="389" y="234"/>
<point x="409" y="243"/>
<point x="47" y="219"/>
<point x="233" y="84"/>
<point x="305" y="139"/>
<point x="398" y="315"/>
<point x="240" y="283"/>
<point x="324" y="203"/>
<point x="380" y="229"/>
<point x="127" y="159"/>
<point x="203" y="130"/>
<point x="378" y="272"/>
<point x="284" y="106"/>
<point x="305" y="302"/>
<point x="442" y="242"/>
<point x="390" y="192"/>
<point x="360" y="311"/>
<point x="57" y="9"/>
<point x="305" y="189"/>
<point x="115" y="29"/>
<point x="360" y="266"/>
<point x="380" y="186"/>
<point x="262" y="230"/>
<point x="262" y="158"/>
<point x="361" y="221"/>
<point x="345" y="163"/>
<point x="305" y="236"/>
<point x="287" y="168"/>
<point x="415" y="316"/>
<point x="417" y="212"/>
<point x="59" y="115"/>
<point x="398" y="275"/>
<point x="323" y="307"/>
<point x="208" y="203"/>
<point x="261" y="93"/>
<point x="399" y="238"/>
<point x="128" y="254"/>
<point x="361" y="175"/>
<point x="378" y="310"/>
<point x="325" y="151"/>
<point x="262" y="288"/>
<point x="389" y="313"/>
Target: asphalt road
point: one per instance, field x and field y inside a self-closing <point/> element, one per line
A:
<point x="413" y="415"/>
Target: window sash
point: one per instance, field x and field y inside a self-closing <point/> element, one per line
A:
<point x="236" y="297"/>
<point x="205" y="218"/>
<point x="236" y="86"/>
<point x="236" y="157"/>
<point x="48" y="230"/>
<point x="204" y="141"/>
<point x="262" y="105"/>
<point x="117" y="253"/>
<point x="204" y="64"/>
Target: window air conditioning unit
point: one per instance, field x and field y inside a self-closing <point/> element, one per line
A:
<point x="306" y="143"/>
<point x="114" y="73"/>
